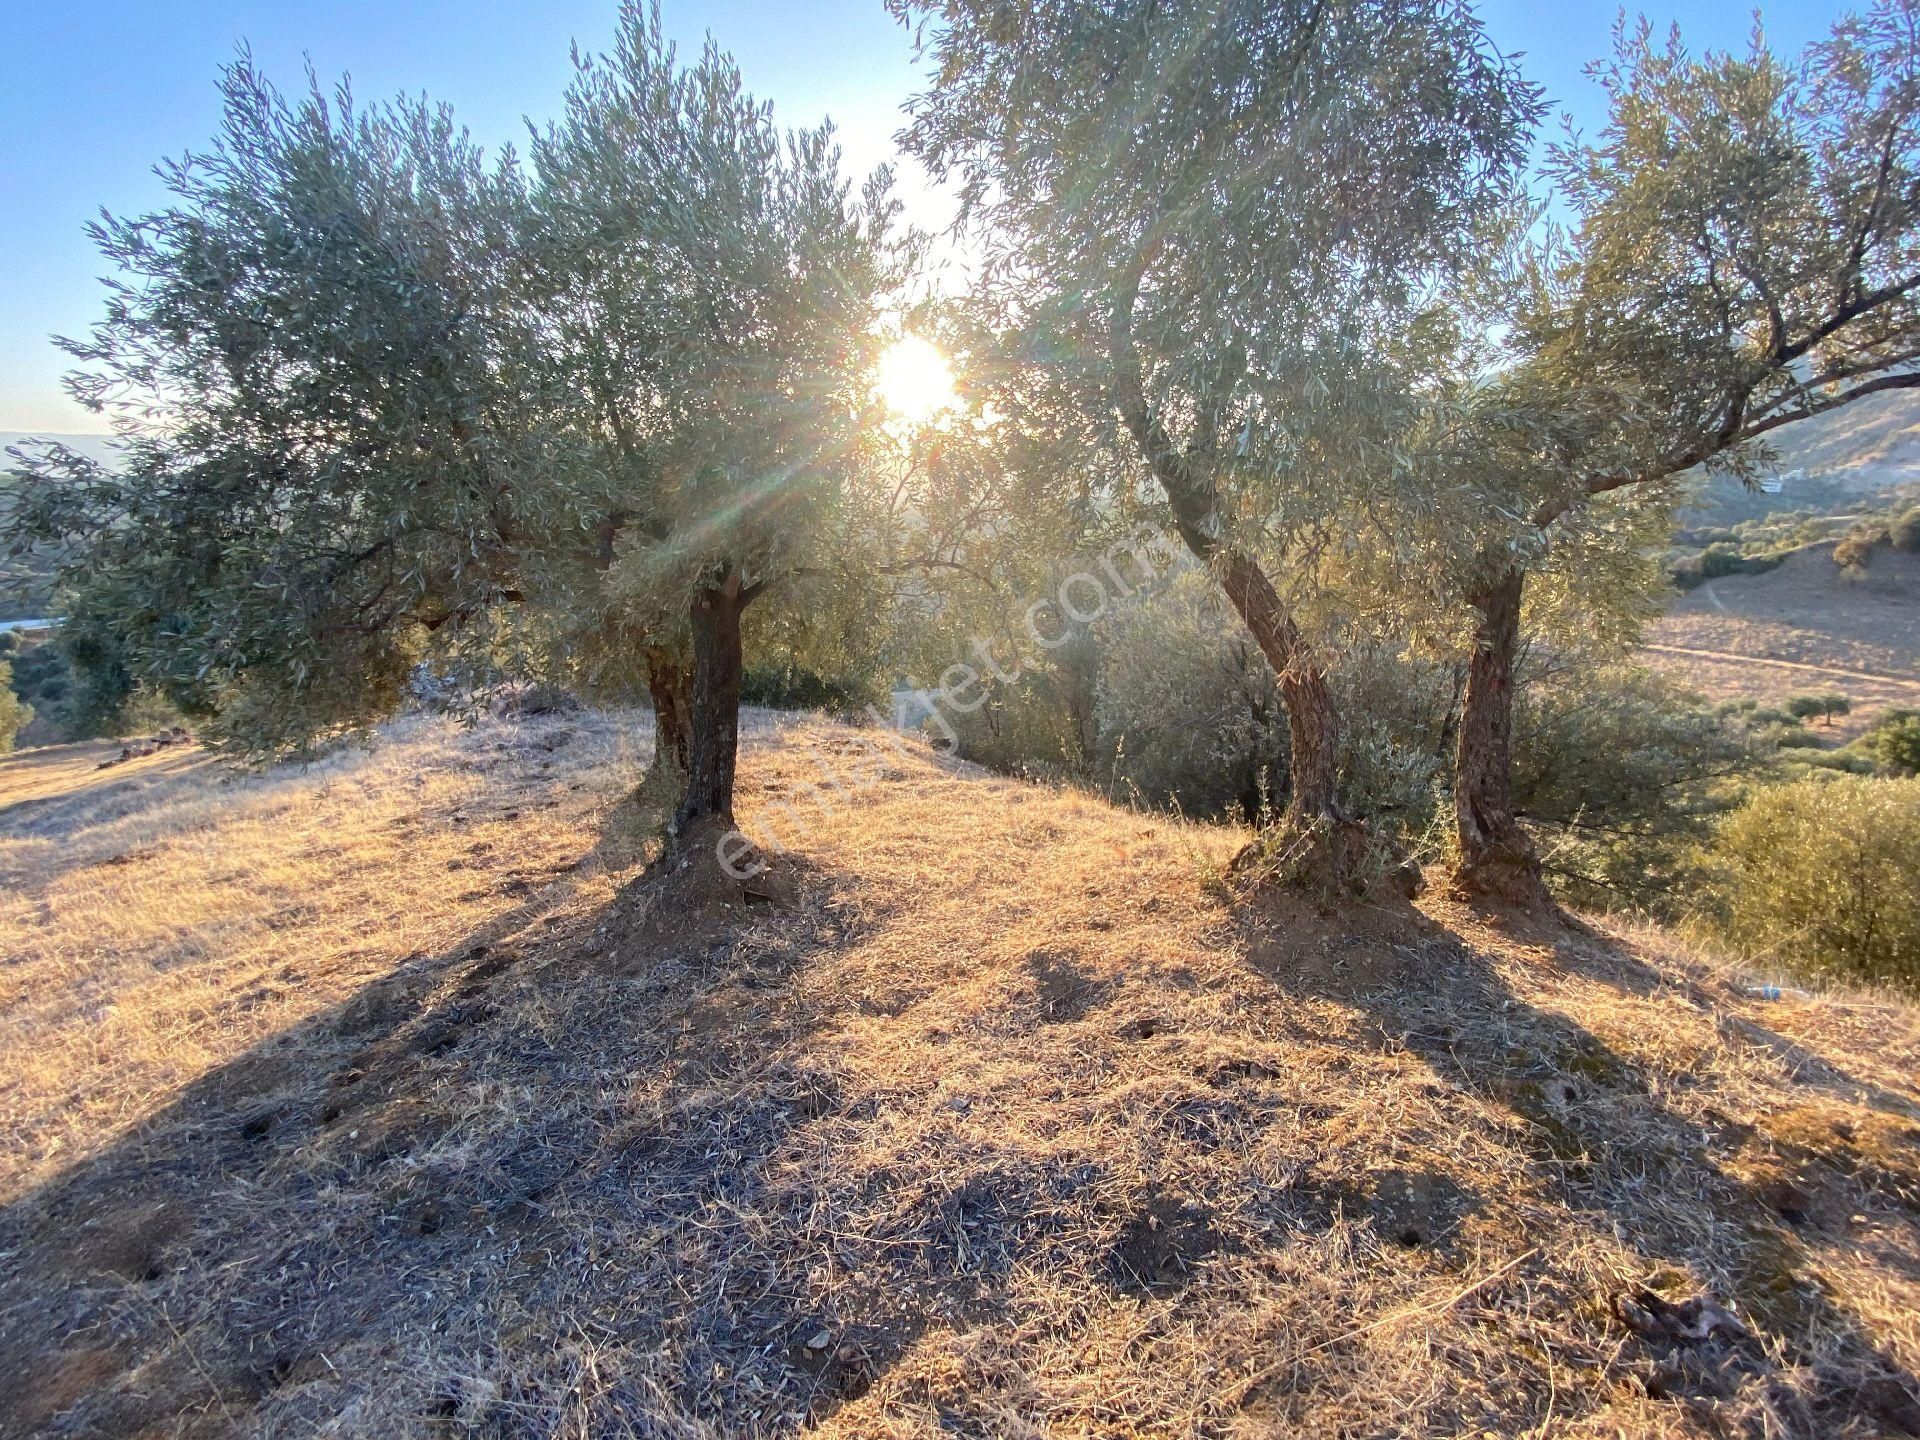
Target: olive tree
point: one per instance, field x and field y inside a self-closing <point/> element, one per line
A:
<point x="327" y="413"/>
<point x="712" y="291"/>
<point x="1746" y="256"/>
<point x="1207" y="216"/>
<point x="384" y="402"/>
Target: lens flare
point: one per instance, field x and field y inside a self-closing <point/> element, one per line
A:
<point x="915" y="381"/>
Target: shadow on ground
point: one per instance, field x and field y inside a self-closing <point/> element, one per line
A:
<point x="520" y="1188"/>
<point x="1717" y="1213"/>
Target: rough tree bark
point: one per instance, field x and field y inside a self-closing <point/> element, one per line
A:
<point x="706" y="809"/>
<point x="1313" y="725"/>
<point x="1496" y="859"/>
<point x="1323" y="846"/>
<point x="670" y="686"/>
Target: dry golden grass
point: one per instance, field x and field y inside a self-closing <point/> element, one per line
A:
<point x="354" y="1101"/>
<point x="161" y="916"/>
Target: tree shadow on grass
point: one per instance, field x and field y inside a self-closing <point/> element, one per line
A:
<point x="1611" y="1149"/>
<point x="510" y="1146"/>
<point x="1634" y="976"/>
<point x="555" y="1176"/>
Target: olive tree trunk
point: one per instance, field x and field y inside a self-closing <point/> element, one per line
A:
<point x="1496" y="859"/>
<point x="706" y="809"/>
<point x="1313" y="724"/>
<point x="1318" y="844"/>
<point x="670" y="687"/>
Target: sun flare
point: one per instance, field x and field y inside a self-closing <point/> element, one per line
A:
<point x="915" y="381"/>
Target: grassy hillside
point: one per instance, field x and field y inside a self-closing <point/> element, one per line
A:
<point x="1808" y="625"/>
<point x="365" y="1098"/>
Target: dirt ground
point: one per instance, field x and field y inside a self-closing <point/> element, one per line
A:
<point x="372" y="1098"/>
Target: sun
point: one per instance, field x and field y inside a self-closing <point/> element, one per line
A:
<point x="915" y="381"/>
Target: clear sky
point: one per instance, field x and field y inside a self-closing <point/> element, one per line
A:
<point x="96" y="93"/>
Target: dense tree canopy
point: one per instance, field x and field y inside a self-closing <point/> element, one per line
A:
<point x="327" y="408"/>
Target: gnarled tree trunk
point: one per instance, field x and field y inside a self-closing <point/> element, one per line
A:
<point x="1319" y="844"/>
<point x="706" y="809"/>
<point x="670" y="686"/>
<point x="1496" y="858"/>
<point x="1313" y="725"/>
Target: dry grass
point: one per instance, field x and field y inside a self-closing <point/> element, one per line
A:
<point x="1011" y="1123"/>
<point x="1805" y="626"/>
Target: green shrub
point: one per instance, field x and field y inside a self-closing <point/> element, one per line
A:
<point x="1188" y="709"/>
<point x="1821" y="875"/>
<point x="1797" y="739"/>
<point x="146" y="710"/>
<point x="1620" y="775"/>
<point x="1894" y="742"/>
<point x="1041" y="724"/>
<point x="1849" y="761"/>
<point x="1719" y="561"/>
<point x="793" y="687"/>
<point x="15" y="713"/>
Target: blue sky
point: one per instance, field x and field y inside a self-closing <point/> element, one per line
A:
<point x="95" y="94"/>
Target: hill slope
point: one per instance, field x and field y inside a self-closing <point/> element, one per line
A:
<point x="350" y="1099"/>
<point x="1807" y="625"/>
<point x="1866" y="444"/>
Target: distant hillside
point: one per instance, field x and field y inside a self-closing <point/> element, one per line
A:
<point x="1808" y="625"/>
<point x="1870" y="443"/>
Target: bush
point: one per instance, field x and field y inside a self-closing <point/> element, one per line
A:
<point x="1855" y="548"/>
<point x="1849" y="761"/>
<point x="15" y="713"/>
<point x="145" y="712"/>
<point x="1188" y="711"/>
<point x="1719" y="561"/>
<point x="1041" y="724"/>
<point x="1621" y="775"/>
<point x="793" y="687"/>
<point x="1797" y="740"/>
<point x="1894" y="742"/>
<point x="1904" y="533"/>
<point x="1820" y="874"/>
